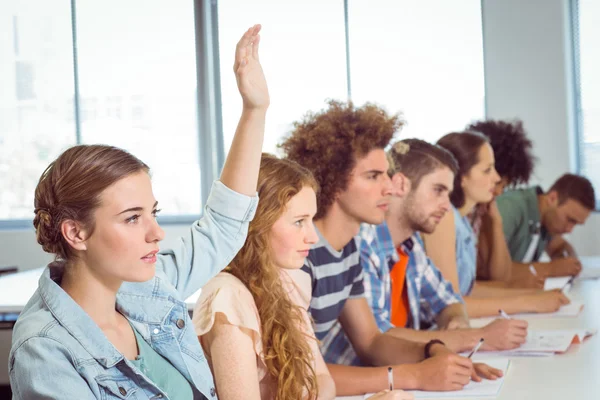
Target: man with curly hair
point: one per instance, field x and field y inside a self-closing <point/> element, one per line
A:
<point x="343" y="146"/>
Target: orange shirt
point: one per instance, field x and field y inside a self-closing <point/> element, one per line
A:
<point x="399" y="293"/>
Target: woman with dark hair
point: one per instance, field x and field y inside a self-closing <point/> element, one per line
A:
<point x="452" y="247"/>
<point x="108" y="319"/>
<point x="514" y="163"/>
<point x="252" y="319"/>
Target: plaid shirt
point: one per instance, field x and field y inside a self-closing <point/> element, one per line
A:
<point x="428" y="292"/>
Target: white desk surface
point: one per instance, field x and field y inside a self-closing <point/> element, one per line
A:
<point x="17" y="289"/>
<point x="574" y="375"/>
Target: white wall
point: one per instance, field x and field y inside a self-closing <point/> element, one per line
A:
<point x="528" y="75"/>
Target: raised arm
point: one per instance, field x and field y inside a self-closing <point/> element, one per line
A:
<point x="215" y="239"/>
<point x="240" y="172"/>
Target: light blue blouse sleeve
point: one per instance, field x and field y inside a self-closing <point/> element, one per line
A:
<point x="211" y="242"/>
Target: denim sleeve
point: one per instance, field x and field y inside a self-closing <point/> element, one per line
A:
<point x="211" y="242"/>
<point x="41" y="369"/>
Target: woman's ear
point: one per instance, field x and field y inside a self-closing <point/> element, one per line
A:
<point x="74" y="234"/>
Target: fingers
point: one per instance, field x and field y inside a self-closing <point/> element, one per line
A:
<point x="246" y="47"/>
<point x="564" y="299"/>
<point x="255" y="46"/>
<point x="487" y="372"/>
<point x="519" y="323"/>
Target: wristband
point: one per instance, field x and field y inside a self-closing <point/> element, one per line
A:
<point x="428" y="347"/>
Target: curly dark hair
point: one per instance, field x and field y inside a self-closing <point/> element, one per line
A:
<point x="329" y="142"/>
<point x="512" y="149"/>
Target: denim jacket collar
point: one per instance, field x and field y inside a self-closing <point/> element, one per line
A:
<point x="150" y="309"/>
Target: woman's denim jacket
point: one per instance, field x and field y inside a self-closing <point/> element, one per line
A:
<point x="58" y="352"/>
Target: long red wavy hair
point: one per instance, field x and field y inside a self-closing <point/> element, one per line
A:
<point x="286" y="350"/>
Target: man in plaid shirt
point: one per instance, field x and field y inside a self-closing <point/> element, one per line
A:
<point x="422" y="177"/>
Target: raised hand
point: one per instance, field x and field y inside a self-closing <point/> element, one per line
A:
<point x="248" y="71"/>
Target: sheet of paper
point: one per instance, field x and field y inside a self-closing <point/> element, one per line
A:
<point x="483" y="389"/>
<point x="557" y="282"/>
<point x="549" y="341"/>
<point x="590" y="268"/>
<point x="540" y="343"/>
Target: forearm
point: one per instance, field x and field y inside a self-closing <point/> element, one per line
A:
<point x="454" y="311"/>
<point x="351" y="381"/>
<point x="326" y="387"/>
<point x="456" y="340"/>
<point x="388" y="349"/>
<point x="488" y="307"/>
<point x="498" y="289"/>
<point x="240" y="172"/>
<point x="544" y="268"/>
<point x="499" y="256"/>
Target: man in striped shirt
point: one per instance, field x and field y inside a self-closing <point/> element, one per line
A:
<point x="343" y="146"/>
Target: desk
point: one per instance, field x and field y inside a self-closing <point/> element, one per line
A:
<point x="574" y="375"/>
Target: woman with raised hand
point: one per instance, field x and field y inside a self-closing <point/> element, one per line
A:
<point x="452" y="247"/>
<point x="252" y="319"/>
<point x="108" y="319"/>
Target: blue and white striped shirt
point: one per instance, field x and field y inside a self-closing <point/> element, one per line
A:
<point x="336" y="277"/>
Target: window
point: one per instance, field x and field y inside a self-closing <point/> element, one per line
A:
<point x="305" y="63"/>
<point x="137" y="85"/>
<point x="36" y="99"/>
<point x="586" y="20"/>
<point x="136" y="74"/>
<point x="423" y="58"/>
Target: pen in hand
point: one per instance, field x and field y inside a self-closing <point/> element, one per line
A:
<point x="532" y="270"/>
<point x="390" y="378"/>
<point x="477" y="346"/>
<point x="569" y="282"/>
<point x="503" y="314"/>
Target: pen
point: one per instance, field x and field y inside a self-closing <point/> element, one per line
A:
<point x="503" y="314"/>
<point x="567" y="284"/>
<point x="532" y="270"/>
<point x="477" y="346"/>
<point x="390" y="378"/>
